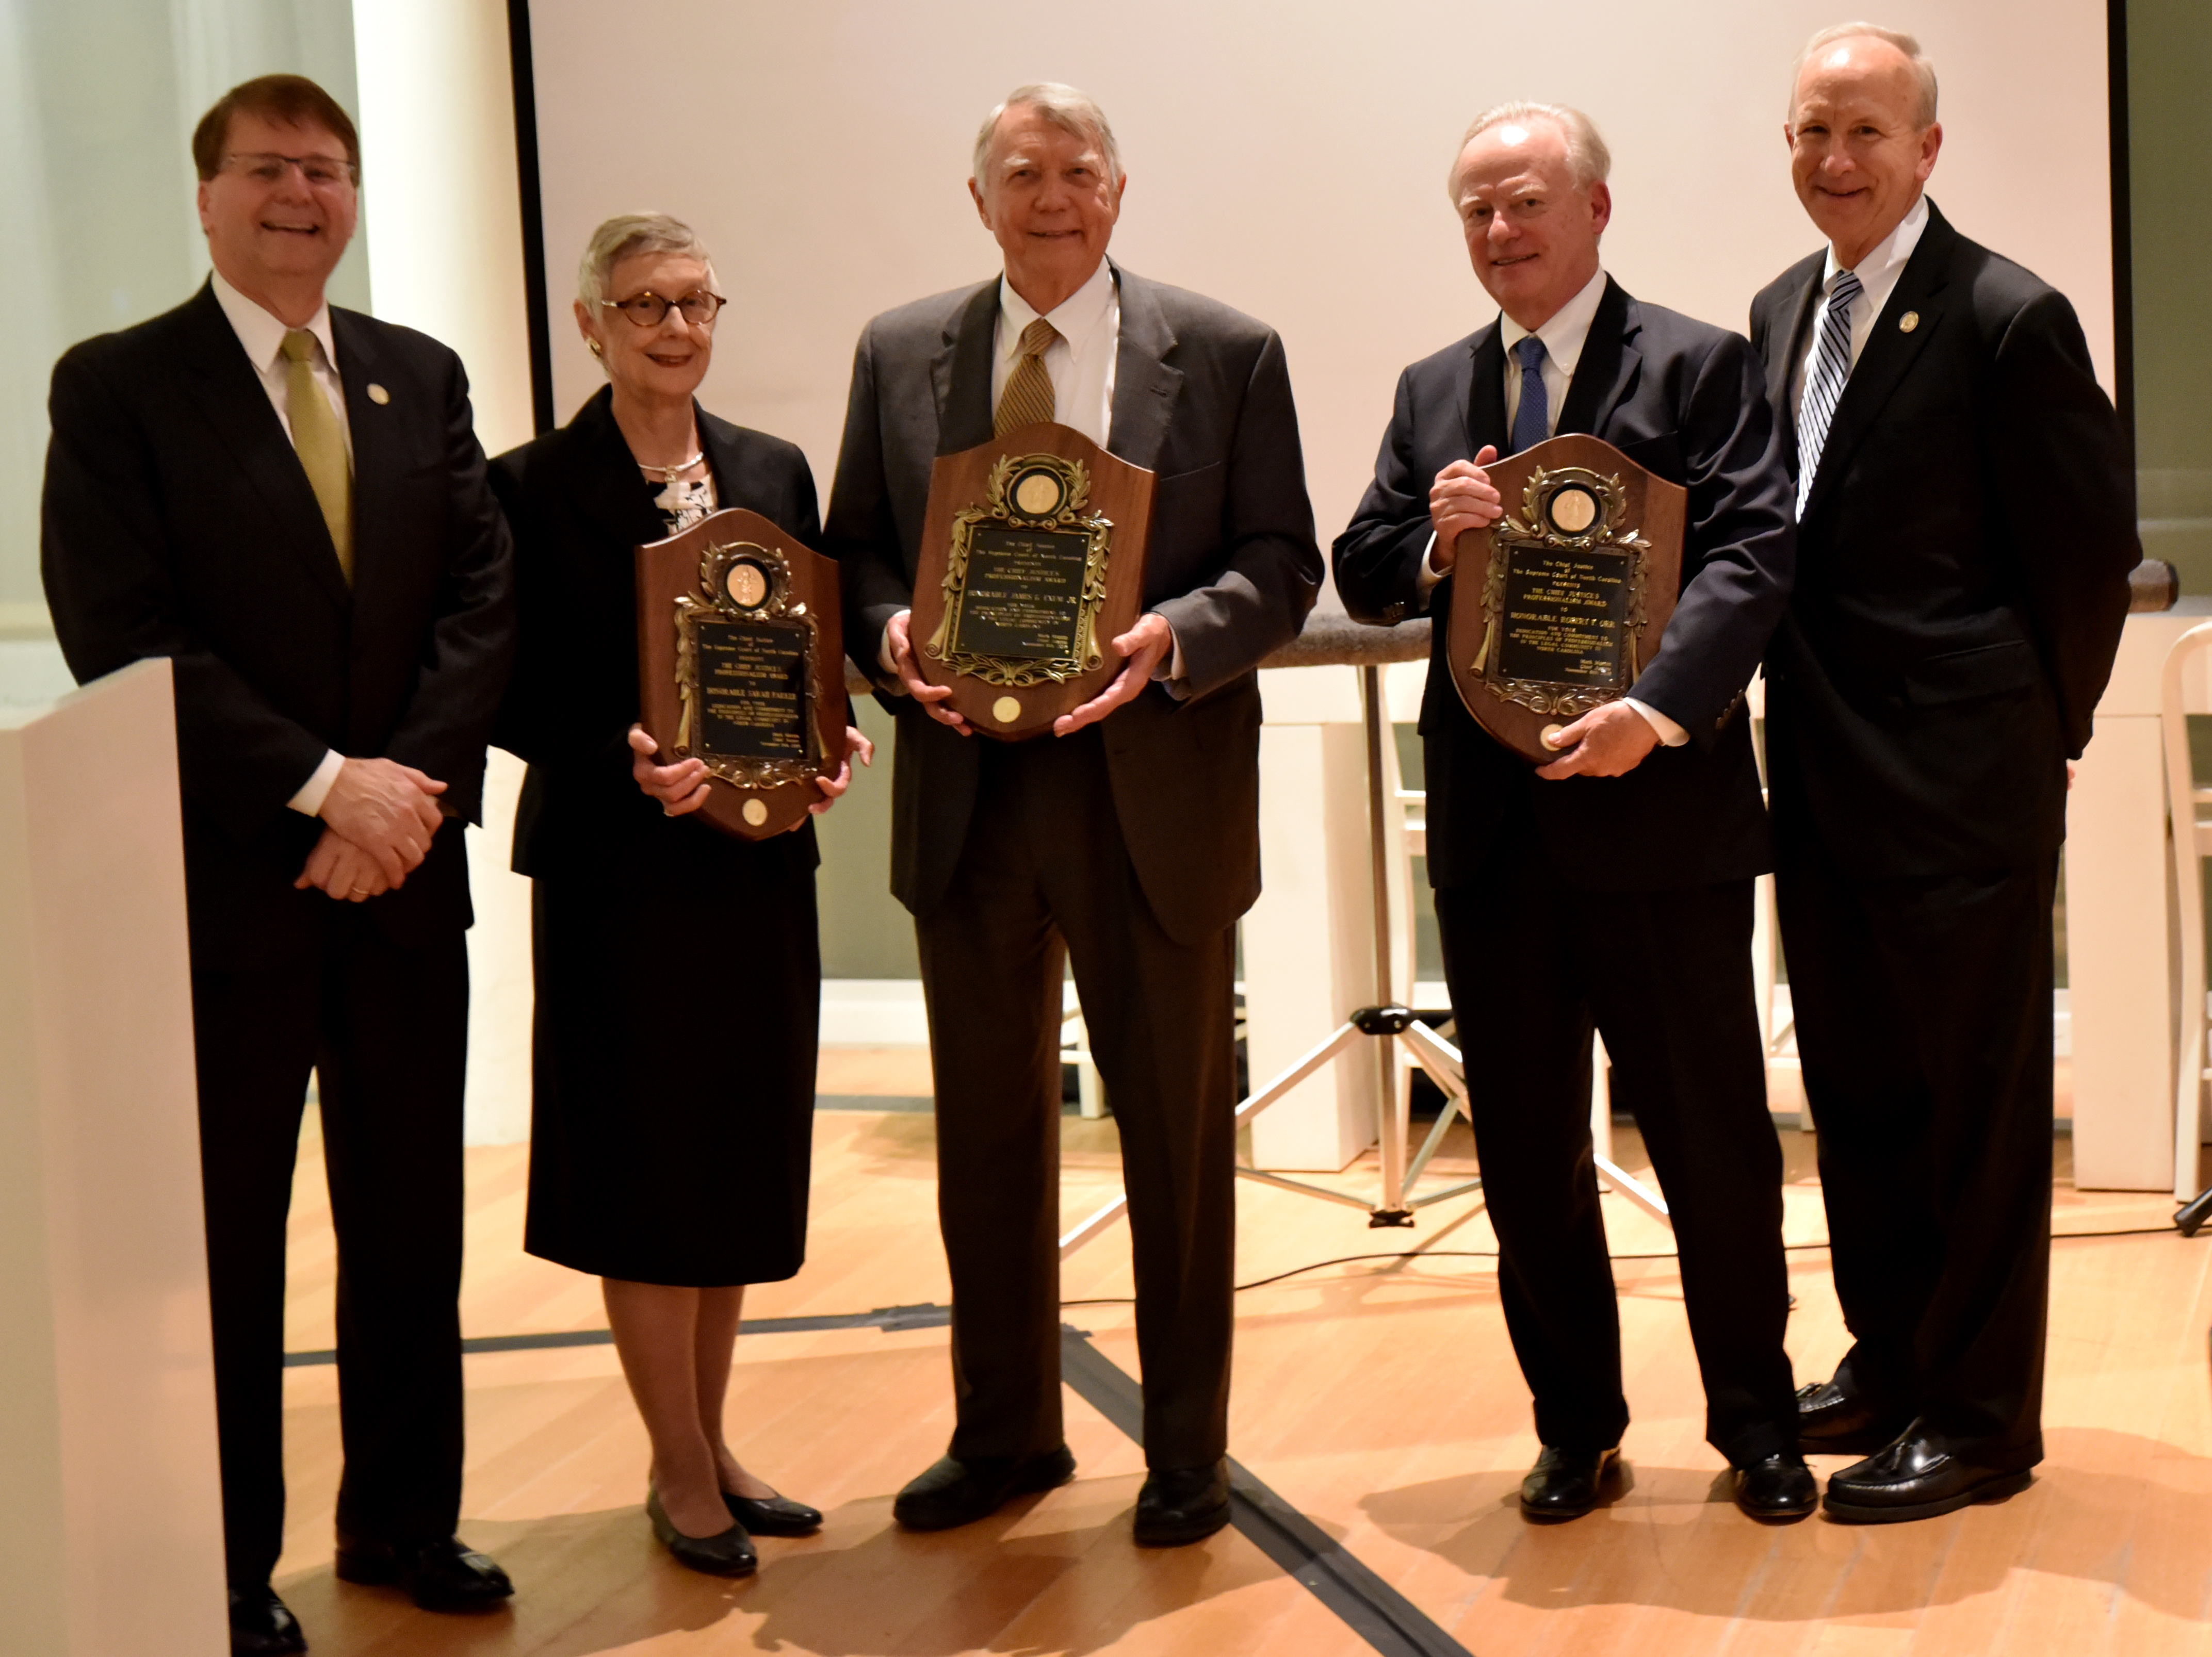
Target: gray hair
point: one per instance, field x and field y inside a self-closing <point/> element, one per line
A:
<point x="628" y="233"/>
<point x="1587" y="154"/>
<point x="1922" y="69"/>
<point x="1069" y="110"/>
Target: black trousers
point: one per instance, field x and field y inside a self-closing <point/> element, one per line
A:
<point x="1533" y="964"/>
<point x="384" y="1028"/>
<point x="1044" y="878"/>
<point x="1923" y="1020"/>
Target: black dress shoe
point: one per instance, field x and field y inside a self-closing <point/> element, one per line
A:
<point x="442" y="1575"/>
<point x="774" y="1515"/>
<point x="1779" y="1487"/>
<point x="1914" y="1478"/>
<point x="262" y="1625"/>
<point x="1565" y="1483"/>
<point x="1834" y="1422"/>
<point x="950" y="1493"/>
<point x="725" y="1553"/>
<point x="1184" y="1504"/>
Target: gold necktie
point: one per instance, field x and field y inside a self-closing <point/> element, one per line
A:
<point x="320" y="444"/>
<point x="1028" y="396"/>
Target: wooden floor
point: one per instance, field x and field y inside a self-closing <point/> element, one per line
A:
<point x="1379" y="1398"/>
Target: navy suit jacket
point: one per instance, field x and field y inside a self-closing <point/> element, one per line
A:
<point x="1962" y="570"/>
<point x="1202" y="398"/>
<point x="1686" y="402"/>
<point x="177" y="522"/>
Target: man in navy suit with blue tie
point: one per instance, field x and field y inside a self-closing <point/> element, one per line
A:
<point x="1613" y="887"/>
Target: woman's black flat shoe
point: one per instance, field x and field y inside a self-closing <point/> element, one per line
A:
<point x="730" y="1554"/>
<point x="779" y="1515"/>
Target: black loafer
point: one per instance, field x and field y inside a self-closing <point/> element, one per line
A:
<point x="1914" y="1478"/>
<point x="1780" y="1486"/>
<point x="262" y="1625"/>
<point x="446" y="1575"/>
<point x="725" y="1553"/>
<point x="1182" y="1505"/>
<point x="1834" y="1422"/>
<point x="1565" y="1484"/>
<point x="774" y="1515"/>
<point x="951" y="1493"/>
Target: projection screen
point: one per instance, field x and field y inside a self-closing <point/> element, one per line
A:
<point x="1286" y="159"/>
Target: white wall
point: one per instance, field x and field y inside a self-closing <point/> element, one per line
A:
<point x="1286" y="158"/>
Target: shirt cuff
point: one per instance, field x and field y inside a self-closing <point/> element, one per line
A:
<point x="1427" y="577"/>
<point x="1671" y="735"/>
<point x="308" y="802"/>
<point x="1172" y="674"/>
<point x="883" y="657"/>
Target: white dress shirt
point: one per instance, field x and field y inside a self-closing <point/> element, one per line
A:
<point x="1878" y="273"/>
<point x="1564" y="335"/>
<point x="262" y="334"/>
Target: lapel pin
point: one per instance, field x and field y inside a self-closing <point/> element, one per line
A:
<point x="379" y="395"/>
<point x="1905" y="324"/>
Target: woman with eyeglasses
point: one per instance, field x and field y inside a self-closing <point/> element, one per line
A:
<point x="677" y="973"/>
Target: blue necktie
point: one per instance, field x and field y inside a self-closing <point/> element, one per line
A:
<point x="1532" y="421"/>
<point x="1823" y="386"/>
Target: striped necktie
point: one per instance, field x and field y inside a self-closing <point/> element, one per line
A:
<point x="1532" y="419"/>
<point x="321" y="446"/>
<point x="1823" y="386"/>
<point x="1028" y="396"/>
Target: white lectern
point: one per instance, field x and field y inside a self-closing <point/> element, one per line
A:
<point x="111" y="1521"/>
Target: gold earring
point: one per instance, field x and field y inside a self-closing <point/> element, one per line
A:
<point x="594" y="346"/>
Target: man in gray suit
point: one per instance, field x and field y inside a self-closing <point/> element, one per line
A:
<point x="1127" y="841"/>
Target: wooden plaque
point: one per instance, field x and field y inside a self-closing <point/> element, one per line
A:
<point x="740" y="664"/>
<point x="1032" y="561"/>
<point x="1557" y="606"/>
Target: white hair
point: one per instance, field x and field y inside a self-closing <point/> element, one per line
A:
<point x="1587" y="156"/>
<point x="629" y="233"/>
<point x="1923" y="69"/>
<point x="1069" y="110"/>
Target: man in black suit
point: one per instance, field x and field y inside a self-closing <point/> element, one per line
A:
<point x="1128" y="840"/>
<point x="288" y="501"/>
<point x="1965" y="526"/>
<point x="1612" y="886"/>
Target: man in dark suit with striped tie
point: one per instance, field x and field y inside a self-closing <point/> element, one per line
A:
<point x="1127" y="842"/>
<point x="1966" y="525"/>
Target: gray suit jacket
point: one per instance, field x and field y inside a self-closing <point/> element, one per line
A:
<point x="1201" y="397"/>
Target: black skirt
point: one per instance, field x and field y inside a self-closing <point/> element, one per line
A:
<point x="678" y="1001"/>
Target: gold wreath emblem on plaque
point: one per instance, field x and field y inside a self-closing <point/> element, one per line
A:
<point x="1041" y="492"/>
<point x="744" y="582"/>
<point x="1573" y="509"/>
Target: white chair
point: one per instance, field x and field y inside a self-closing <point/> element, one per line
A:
<point x="2189" y="817"/>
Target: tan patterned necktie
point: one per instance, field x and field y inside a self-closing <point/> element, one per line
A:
<point x="1028" y="396"/>
<point x="320" y="444"/>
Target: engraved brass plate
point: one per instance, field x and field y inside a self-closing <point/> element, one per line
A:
<point x="1026" y="578"/>
<point x="743" y="645"/>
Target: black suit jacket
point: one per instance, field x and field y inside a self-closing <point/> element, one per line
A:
<point x="1962" y="569"/>
<point x="579" y="508"/>
<point x="177" y="522"/>
<point x="1684" y="400"/>
<point x="1202" y="398"/>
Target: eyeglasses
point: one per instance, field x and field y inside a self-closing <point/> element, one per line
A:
<point x="649" y="310"/>
<point x="321" y="172"/>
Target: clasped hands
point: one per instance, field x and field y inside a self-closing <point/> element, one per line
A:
<point x="1143" y="648"/>
<point x="681" y="788"/>
<point x="1612" y="738"/>
<point x="379" y="819"/>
